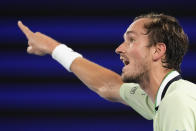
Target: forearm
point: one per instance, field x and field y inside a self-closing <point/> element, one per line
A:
<point x="103" y="81"/>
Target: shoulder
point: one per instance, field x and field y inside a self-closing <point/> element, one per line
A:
<point x="129" y="89"/>
<point x="136" y="98"/>
<point x="180" y="96"/>
<point x="180" y="91"/>
<point x="183" y="85"/>
<point x="178" y="108"/>
<point x="180" y="99"/>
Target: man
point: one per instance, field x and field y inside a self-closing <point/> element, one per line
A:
<point x="152" y="51"/>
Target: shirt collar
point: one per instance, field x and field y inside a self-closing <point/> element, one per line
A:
<point x="171" y="75"/>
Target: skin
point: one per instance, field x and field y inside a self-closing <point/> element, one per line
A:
<point x="103" y="81"/>
<point x="145" y="66"/>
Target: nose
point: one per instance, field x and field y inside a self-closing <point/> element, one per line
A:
<point x="120" y="49"/>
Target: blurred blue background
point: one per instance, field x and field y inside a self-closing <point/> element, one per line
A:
<point x="36" y="93"/>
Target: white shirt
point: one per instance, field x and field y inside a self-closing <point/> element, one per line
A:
<point x="176" y="110"/>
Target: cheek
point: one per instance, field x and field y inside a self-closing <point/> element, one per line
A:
<point x="134" y="54"/>
<point x="138" y="57"/>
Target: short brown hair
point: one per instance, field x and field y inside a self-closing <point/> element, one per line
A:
<point x="166" y="29"/>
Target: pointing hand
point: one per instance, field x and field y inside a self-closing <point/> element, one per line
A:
<point x="38" y="43"/>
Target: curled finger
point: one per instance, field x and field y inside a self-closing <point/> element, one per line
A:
<point x="29" y="49"/>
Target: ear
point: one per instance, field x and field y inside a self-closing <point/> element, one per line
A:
<point x="158" y="51"/>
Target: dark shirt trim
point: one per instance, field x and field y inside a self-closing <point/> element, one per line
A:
<point x="166" y="87"/>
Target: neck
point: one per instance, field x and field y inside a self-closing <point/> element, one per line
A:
<point x="152" y="82"/>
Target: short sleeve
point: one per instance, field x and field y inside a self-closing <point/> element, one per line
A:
<point x="135" y="97"/>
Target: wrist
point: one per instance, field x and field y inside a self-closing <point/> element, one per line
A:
<point x="64" y="55"/>
<point x="52" y="48"/>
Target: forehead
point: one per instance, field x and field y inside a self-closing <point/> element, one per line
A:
<point x="137" y="27"/>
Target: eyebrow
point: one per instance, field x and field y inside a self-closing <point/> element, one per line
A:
<point x="131" y="32"/>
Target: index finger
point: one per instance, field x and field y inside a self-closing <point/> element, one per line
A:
<point x="25" y="29"/>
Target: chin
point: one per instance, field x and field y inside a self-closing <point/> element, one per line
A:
<point x="129" y="78"/>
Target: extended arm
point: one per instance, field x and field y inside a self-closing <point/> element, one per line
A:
<point x="99" y="79"/>
<point x="103" y="81"/>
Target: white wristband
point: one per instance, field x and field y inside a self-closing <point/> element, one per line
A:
<point x="65" y="55"/>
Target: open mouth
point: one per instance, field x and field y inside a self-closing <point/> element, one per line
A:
<point x="126" y="62"/>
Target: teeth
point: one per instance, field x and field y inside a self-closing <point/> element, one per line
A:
<point x="124" y="60"/>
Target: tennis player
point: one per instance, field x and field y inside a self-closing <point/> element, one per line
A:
<point x="152" y="51"/>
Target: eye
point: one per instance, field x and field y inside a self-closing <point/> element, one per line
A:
<point x="131" y="40"/>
